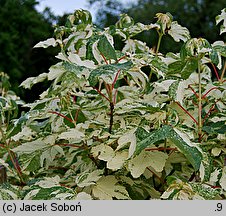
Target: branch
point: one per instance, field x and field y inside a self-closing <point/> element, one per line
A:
<point x="59" y="114"/>
<point x="105" y="60"/>
<point x="116" y="78"/>
<point x="189" y="86"/>
<point x="215" y="70"/>
<point x="160" y="149"/>
<point x="101" y="93"/>
<point x="210" y="110"/>
<point x="76" y="115"/>
<point x="187" y="112"/>
<point x="115" y="96"/>
<point x="208" y="92"/>
<point x="111" y="116"/>
<point x="121" y="59"/>
<point x="160" y="179"/>
<point x="68" y="145"/>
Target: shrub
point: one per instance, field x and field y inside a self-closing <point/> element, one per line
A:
<point x="122" y="124"/>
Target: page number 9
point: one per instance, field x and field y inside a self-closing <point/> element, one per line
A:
<point x="219" y="207"/>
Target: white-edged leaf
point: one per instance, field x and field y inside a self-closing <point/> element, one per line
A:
<point x="178" y="32"/>
<point x="87" y="179"/>
<point x="138" y="164"/>
<point x="74" y="58"/>
<point x="71" y="134"/>
<point x="47" y="43"/>
<point x="55" y="71"/>
<point x="83" y="196"/>
<point x="104" y="152"/>
<point x="30" y="147"/>
<point x="106" y="189"/>
<point x="223" y="178"/>
<point x="221" y="17"/>
<point x="49" y="182"/>
<point x="29" y="82"/>
<point x="117" y="161"/>
<point x="31" y="194"/>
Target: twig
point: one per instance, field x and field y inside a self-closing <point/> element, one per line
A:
<point x="208" y="92"/>
<point x="111" y="116"/>
<point x="116" y="78"/>
<point x="223" y="72"/>
<point x="68" y="145"/>
<point x="59" y="114"/>
<point x="161" y="180"/>
<point x="160" y="149"/>
<point x="115" y="96"/>
<point x="105" y="60"/>
<point x="187" y="112"/>
<point x="76" y="115"/>
<point x="121" y="59"/>
<point x="195" y="93"/>
<point x="101" y="93"/>
<point x="210" y="110"/>
<point x="215" y="70"/>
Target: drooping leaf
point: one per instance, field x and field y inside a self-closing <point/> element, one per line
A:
<point x="106" y="48"/>
<point x="193" y="155"/>
<point x="47" y="43"/>
<point x="221" y="17"/>
<point x="29" y="82"/>
<point x="178" y="32"/>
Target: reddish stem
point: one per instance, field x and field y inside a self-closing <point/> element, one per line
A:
<point x="115" y="79"/>
<point x="215" y="70"/>
<point x="121" y="59"/>
<point x="101" y="93"/>
<point x="195" y="93"/>
<point x="59" y="114"/>
<point x="161" y="180"/>
<point x="68" y="145"/>
<point x="115" y="96"/>
<point x="76" y="115"/>
<point x="187" y="112"/>
<point x="160" y="149"/>
<point x="2" y="145"/>
<point x="105" y="60"/>
<point x="194" y="103"/>
<point x="209" y="92"/>
<point x="210" y="110"/>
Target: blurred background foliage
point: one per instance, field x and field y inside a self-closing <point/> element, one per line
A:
<point x="22" y="26"/>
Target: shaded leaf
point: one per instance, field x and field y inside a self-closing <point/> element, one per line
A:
<point x="106" y="48"/>
<point x="193" y="155"/>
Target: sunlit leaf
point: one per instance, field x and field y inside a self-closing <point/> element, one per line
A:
<point x="178" y="32"/>
<point x="138" y="164"/>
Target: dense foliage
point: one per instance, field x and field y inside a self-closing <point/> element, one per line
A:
<point x="105" y="129"/>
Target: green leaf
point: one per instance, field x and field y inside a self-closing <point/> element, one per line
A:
<point x="34" y="163"/>
<point x="184" y="68"/>
<point x="106" y="48"/>
<point x="193" y="155"/>
<point x="107" y="72"/>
